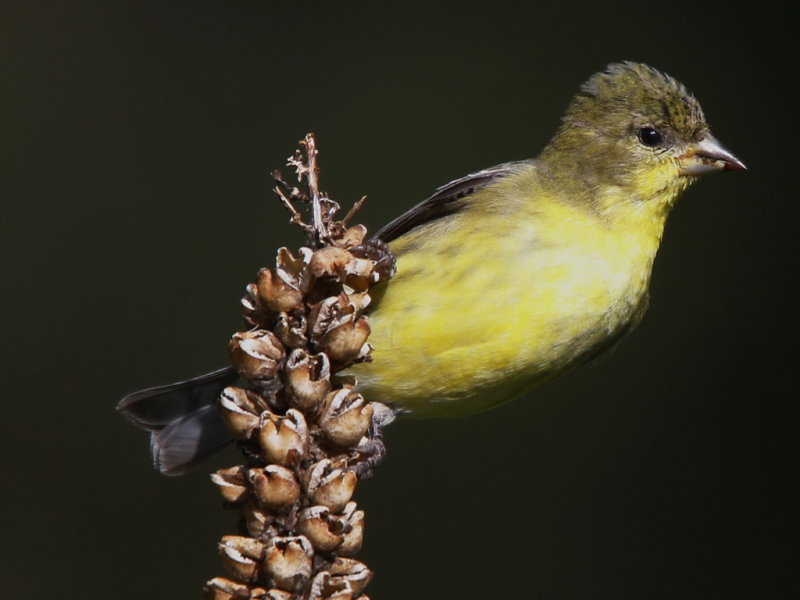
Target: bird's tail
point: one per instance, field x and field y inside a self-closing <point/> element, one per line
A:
<point x="183" y="419"/>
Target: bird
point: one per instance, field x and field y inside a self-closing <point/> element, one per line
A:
<point x="510" y="276"/>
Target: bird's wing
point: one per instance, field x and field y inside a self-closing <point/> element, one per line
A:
<point x="183" y="419"/>
<point x="155" y="408"/>
<point x="444" y="201"/>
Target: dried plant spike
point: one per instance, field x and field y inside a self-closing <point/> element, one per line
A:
<point x="306" y="434"/>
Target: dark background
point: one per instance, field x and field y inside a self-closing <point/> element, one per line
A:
<point x="136" y="142"/>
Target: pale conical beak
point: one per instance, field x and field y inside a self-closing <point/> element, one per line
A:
<point x="708" y="156"/>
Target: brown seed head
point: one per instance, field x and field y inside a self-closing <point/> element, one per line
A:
<point x="345" y="417"/>
<point x="256" y="354"/>
<point x="288" y="562"/>
<point x="275" y="487"/>
<point x="240" y="411"/>
<point x="283" y="439"/>
<point x="232" y="484"/>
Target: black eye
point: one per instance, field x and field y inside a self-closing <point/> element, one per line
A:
<point x="649" y="137"/>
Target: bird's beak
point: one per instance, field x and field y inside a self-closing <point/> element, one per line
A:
<point x="708" y="156"/>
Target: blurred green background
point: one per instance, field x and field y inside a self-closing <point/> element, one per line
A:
<point x="137" y="141"/>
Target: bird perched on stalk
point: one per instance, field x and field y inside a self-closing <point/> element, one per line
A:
<point x="509" y="276"/>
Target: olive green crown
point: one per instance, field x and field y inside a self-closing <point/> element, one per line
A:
<point x="628" y="86"/>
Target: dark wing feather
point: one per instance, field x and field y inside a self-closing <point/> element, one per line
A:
<point x="183" y="419"/>
<point x="443" y="202"/>
<point x="155" y="408"/>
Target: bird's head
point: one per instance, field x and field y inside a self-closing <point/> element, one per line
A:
<point x="635" y="128"/>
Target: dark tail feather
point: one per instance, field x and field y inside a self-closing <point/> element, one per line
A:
<point x="183" y="419"/>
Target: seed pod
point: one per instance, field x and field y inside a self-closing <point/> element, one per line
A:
<point x="256" y="354"/>
<point x="294" y="270"/>
<point x="329" y="261"/>
<point x="353" y="530"/>
<point x="322" y="529"/>
<point x="276" y="294"/>
<point x="240" y="411"/>
<point x="352" y="236"/>
<point x="232" y="484"/>
<point x="345" y="417"/>
<point x="254" y="312"/>
<point x="288" y="562"/>
<point x="358" y="274"/>
<point x="344" y="340"/>
<point x="283" y="440"/>
<point x="291" y="330"/>
<point x="331" y="486"/>
<point x="354" y="572"/>
<point x="307" y="378"/>
<point x="242" y="556"/>
<point x="222" y="588"/>
<point x="275" y="487"/>
<point x="258" y="521"/>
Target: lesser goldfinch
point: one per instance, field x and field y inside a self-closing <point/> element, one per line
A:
<point x="509" y="276"/>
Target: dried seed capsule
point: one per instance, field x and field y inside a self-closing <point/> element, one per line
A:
<point x="354" y="572"/>
<point x="253" y="311"/>
<point x="359" y="300"/>
<point x="353" y="530"/>
<point x="277" y="294"/>
<point x="275" y="594"/>
<point x="307" y="378"/>
<point x="221" y="588"/>
<point x="291" y="330"/>
<point x="329" y="261"/>
<point x="358" y="274"/>
<point x="323" y="530"/>
<point x="283" y="440"/>
<point x="324" y="587"/>
<point x="242" y="556"/>
<point x="345" y="417"/>
<point x="258" y="521"/>
<point x="241" y="411"/>
<point x="275" y="487"/>
<point x="232" y="484"/>
<point x="288" y="562"/>
<point x="344" y="340"/>
<point x="352" y="236"/>
<point x="294" y="270"/>
<point x="256" y="354"/>
<point x="330" y="486"/>
<point x="325" y="313"/>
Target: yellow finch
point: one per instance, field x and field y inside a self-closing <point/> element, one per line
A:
<point x="509" y="276"/>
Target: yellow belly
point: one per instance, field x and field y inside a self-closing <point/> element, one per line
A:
<point x="475" y="318"/>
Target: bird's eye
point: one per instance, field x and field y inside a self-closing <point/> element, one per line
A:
<point x="650" y="137"/>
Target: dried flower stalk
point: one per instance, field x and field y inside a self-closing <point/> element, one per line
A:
<point x="307" y="435"/>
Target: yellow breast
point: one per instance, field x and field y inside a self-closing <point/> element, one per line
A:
<point x="503" y="296"/>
